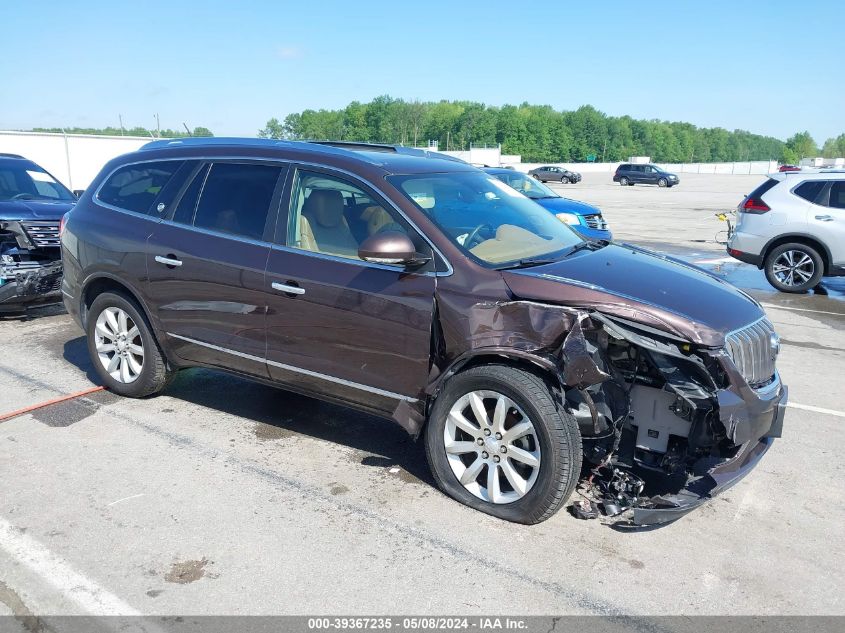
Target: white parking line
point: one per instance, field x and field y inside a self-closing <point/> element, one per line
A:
<point x="807" y="407"/>
<point x="770" y="305"/>
<point x="88" y="595"/>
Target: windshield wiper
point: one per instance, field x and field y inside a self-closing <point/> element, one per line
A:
<point x="530" y="261"/>
<point x="593" y="245"/>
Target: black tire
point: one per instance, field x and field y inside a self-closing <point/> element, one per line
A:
<point x="537" y="177"/>
<point x="780" y="256"/>
<point x="154" y="373"/>
<point x="624" y="181"/>
<point x="557" y="435"/>
<point x="662" y="182"/>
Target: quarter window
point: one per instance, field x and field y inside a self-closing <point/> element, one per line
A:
<point x="135" y="187"/>
<point x="236" y="198"/>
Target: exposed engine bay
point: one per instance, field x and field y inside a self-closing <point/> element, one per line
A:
<point x="652" y="430"/>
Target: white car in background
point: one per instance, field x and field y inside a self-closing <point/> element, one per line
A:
<point x="793" y="227"/>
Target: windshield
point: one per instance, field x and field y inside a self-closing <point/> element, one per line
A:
<point x="530" y="187"/>
<point x="27" y="182"/>
<point x="486" y="218"/>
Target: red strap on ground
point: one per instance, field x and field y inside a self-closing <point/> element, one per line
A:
<point x="47" y="403"/>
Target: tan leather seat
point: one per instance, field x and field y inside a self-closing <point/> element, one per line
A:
<point x="323" y="227"/>
<point x="376" y="218"/>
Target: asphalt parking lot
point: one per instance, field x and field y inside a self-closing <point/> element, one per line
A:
<point x="224" y="496"/>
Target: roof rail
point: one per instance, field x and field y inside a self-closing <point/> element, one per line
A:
<point x="205" y="141"/>
<point x="333" y="147"/>
<point x="814" y="170"/>
<point x="7" y="155"/>
<point x="361" y="146"/>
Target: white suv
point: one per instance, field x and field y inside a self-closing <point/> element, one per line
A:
<point x="793" y="227"/>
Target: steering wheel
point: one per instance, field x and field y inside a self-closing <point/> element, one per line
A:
<point x="23" y="196"/>
<point x="473" y="235"/>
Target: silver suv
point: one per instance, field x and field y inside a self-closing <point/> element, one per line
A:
<point x="793" y="227"/>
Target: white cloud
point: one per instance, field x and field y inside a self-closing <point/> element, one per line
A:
<point x="289" y="52"/>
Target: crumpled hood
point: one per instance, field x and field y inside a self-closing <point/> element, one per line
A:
<point x="642" y="286"/>
<point x="566" y="205"/>
<point x="34" y="209"/>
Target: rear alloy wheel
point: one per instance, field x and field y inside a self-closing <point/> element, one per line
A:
<point x="794" y="267"/>
<point x="125" y="354"/>
<point x="119" y="345"/>
<point x="623" y="181"/>
<point x="662" y="182"/>
<point x="497" y="442"/>
<point x="536" y="176"/>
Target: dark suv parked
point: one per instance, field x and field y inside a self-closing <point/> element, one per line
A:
<point x="32" y="204"/>
<point x="429" y="292"/>
<point x="628" y="174"/>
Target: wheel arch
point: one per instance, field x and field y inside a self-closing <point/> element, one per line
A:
<point x="99" y="283"/>
<point x="800" y="238"/>
<point x="538" y="365"/>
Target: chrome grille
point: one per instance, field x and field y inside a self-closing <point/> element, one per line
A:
<point x="42" y="233"/>
<point x="754" y="349"/>
<point x="595" y="221"/>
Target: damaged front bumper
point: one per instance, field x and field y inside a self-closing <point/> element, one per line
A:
<point x="715" y="480"/>
<point x="699" y="490"/>
<point x="746" y="419"/>
<point x="26" y="284"/>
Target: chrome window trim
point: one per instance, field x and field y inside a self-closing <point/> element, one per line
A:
<point x="288" y="161"/>
<point x="215" y="233"/>
<point x="299" y="370"/>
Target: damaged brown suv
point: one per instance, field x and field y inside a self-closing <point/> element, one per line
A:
<point x="421" y="289"/>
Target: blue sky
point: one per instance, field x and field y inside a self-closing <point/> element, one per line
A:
<point x="769" y="67"/>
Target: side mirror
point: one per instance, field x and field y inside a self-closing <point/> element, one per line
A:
<point x="78" y="193"/>
<point x="390" y="247"/>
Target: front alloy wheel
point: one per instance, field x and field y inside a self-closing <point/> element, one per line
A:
<point x="495" y="456"/>
<point x="498" y="441"/>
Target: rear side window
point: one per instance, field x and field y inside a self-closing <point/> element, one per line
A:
<point x="135" y="187"/>
<point x="236" y="198"/>
<point x="810" y="190"/>
<point x="837" y="194"/>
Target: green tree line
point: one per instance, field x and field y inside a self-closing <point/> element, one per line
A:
<point x="135" y="131"/>
<point x="539" y="133"/>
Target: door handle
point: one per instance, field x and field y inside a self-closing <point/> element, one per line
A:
<point x="287" y="288"/>
<point x="168" y="261"/>
<point x="824" y="218"/>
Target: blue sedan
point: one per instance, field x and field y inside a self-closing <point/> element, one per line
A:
<point x="586" y="219"/>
